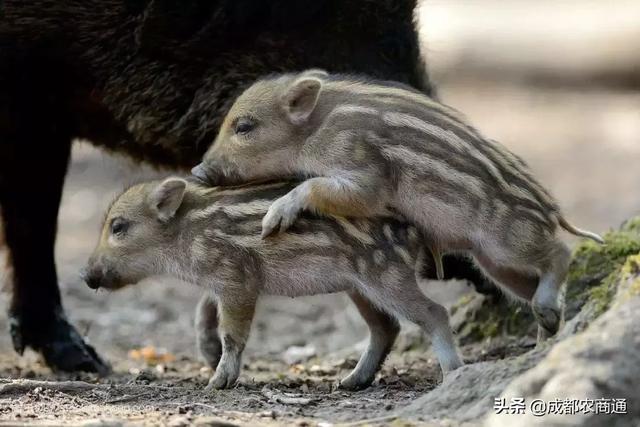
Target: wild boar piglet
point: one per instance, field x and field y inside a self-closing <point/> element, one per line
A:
<point x="211" y="237"/>
<point x="368" y="146"/>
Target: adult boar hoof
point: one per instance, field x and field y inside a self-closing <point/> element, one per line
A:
<point x="61" y="346"/>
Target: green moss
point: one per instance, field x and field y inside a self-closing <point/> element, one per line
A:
<point x="595" y="269"/>
<point x="592" y="260"/>
<point x="461" y="303"/>
<point x="632" y="266"/>
<point x="632" y="225"/>
<point x="494" y="317"/>
<point x="600" y="296"/>
<point x="630" y="279"/>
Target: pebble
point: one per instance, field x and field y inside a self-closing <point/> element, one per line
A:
<point x="296" y="354"/>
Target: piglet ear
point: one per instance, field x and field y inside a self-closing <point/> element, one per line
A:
<point x="301" y="98"/>
<point x="167" y="198"/>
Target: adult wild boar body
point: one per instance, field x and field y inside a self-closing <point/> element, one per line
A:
<point x="151" y="79"/>
<point x="368" y="146"/>
<point x="211" y="237"/>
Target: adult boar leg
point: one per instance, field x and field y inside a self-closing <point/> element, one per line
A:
<point x="33" y="163"/>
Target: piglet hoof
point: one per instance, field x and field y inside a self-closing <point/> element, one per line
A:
<point x="222" y="379"/>
<point x="449" y="371"/>
<point x="280" y="216"/>
<point x="548" y="321"/>
<point x="353" y="383"/>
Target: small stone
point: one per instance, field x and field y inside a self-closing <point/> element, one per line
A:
<point x="145" y="377"/>
<point x="322" y="370"/>
<point x="297" y="354"/>
<point x="297" y="369"/>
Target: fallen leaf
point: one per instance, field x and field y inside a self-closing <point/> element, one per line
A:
<point x="151" y="355"/>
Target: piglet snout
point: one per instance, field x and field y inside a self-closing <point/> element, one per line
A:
<point x="93" y="277"/>
<point x="200" y="172"/>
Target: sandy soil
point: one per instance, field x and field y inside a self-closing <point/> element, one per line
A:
<point x="584" y="145"/>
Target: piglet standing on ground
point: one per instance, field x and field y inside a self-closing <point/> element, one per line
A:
<point x="369" y="146"/>
<point x="211" y="237"/>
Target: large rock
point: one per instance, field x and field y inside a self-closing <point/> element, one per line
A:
<point x="601" y="362"/>
<point x="596" y="354"/>
<point x="468" y="393"/>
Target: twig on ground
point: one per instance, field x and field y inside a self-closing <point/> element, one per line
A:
<point x="128" y="397"/>
<point x="204" y="405"/>
<point x="284" y="399"/>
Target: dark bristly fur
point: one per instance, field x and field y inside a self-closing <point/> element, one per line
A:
<point x="153" y="80"/>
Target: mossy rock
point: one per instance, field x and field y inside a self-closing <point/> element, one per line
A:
<point x="595" y="268"/>
<point x="593" y="277"/>
<point x="629" y="283"/>
<point x="481" y="317"/>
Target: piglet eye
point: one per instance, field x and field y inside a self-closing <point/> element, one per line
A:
<point x="244" y="126"/>
<point x="119" y="226"/>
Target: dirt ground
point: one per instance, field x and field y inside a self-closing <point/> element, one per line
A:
<point x="270" y="392"/>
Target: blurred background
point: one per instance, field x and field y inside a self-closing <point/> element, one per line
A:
<point x="556" y="81"/>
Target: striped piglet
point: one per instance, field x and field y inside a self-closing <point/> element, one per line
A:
<point x="211" y="237"/>
<point x="367" y="147"/>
